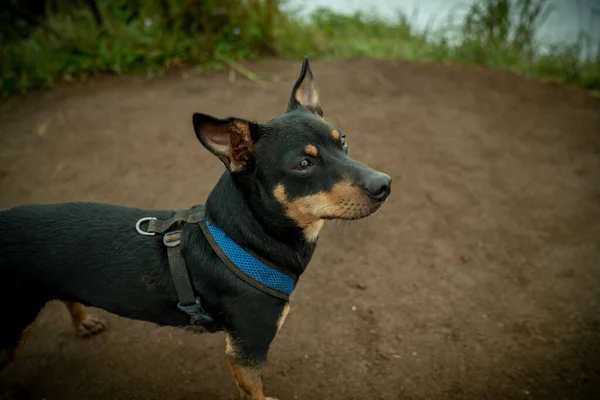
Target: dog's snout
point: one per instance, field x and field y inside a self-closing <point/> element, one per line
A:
<point x="378" y="186"/>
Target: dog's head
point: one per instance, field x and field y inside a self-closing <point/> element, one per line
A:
<point x="297" y="160"/>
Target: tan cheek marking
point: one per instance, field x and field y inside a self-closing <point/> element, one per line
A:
<point x="299" y="211"/>
<point x="345" y="200"/>
<point x="327" y="204"/>
<point x="311" y="150"/>
<point x="310" y="224"/>
<point x="284" y="314"/>
<point x="335" y="134"/>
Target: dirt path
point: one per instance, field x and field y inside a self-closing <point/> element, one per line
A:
<point x="479" y="279"/>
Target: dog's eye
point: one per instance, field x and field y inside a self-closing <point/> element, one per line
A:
<point x="304" y="165"/>
<point x="344" y="144"/>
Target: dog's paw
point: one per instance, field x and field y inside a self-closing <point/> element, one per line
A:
<point x="271" y="398"/>
<point x="90" y="326"/>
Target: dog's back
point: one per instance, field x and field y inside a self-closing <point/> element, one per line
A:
<point x="61" y="251"/>
<point x="34" y="238"/>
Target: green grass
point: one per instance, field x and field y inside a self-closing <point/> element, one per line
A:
<point x="68" y="45"/>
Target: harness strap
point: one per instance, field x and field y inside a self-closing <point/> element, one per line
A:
<point x="188" y="302"/>
<point x="189" y="216"/>
<point x="181" y="279"/>
<point x="235" y="269"/>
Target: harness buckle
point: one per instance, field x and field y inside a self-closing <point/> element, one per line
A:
<point x="196" y="312"/>
<point x="172" y="239"/>
<point x="139" y="229"/>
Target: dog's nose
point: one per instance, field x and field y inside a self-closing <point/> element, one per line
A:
<point x="378" y="186"/>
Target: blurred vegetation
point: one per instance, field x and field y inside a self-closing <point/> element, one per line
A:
<point x="45" y="42"/>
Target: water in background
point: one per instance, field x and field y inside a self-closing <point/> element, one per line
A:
<point x="567" y="21"/>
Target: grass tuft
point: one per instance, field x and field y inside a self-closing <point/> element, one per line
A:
<point x="42" y="46"/>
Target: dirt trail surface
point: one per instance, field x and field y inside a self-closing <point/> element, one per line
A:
<point x="479" y="279"/>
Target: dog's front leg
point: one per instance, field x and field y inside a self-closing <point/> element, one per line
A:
<point x="248" y="380"/>
<point x="246" y="359"/>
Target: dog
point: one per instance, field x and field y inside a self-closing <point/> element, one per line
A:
<point x="229" y="265"/>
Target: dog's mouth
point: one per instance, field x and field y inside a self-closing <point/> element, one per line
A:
<point x="353" y="209"/>
<point x="345" y="201"/>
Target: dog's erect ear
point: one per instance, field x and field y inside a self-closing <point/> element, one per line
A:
<point x="231" y="139"/>
<point x="305" y="92"/>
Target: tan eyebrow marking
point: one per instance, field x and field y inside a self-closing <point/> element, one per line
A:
<point x="311" y="150"/>
<point x="335" y="134"/>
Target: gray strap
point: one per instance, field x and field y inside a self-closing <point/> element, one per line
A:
<point x="189" y="216"/>
<point x="188" y="302"/>
<point x="181" y="279"/>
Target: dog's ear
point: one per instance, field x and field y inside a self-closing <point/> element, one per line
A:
<point x="231" y="139"/>
<point x="305" y="92"/>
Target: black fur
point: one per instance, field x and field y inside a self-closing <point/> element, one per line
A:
<point x="90" y="253"/>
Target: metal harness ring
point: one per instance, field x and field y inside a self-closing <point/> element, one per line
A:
<point x="139" y="229"/>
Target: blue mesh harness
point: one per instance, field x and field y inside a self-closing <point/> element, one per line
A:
<point x="257" y="272"/>
<point x="246" y="265"/>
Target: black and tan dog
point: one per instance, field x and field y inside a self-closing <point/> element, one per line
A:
<point x="284" y="178"/>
